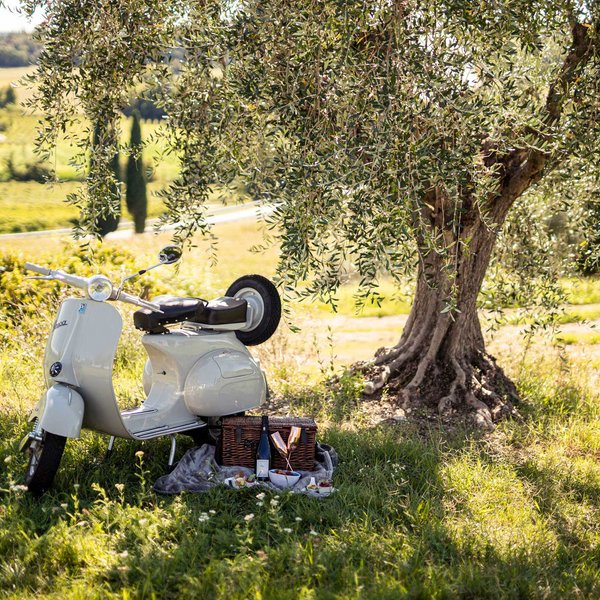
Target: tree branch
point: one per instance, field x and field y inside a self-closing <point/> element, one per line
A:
<point x="580" y="51"/>
<point x="522" y="167"/>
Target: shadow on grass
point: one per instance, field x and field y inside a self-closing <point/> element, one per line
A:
<point x="387" y="533"/>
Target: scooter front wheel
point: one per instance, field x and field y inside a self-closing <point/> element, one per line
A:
<point x="44" y="459"/>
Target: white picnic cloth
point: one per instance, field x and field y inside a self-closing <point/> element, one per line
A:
<point x="198" y="471"/>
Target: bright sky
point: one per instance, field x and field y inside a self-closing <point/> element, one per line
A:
<point x="13" y="21"/>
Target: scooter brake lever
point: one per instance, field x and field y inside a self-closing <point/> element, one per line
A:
<point x="45" y="277"/>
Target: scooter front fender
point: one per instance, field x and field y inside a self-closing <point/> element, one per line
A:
<point x="60" y="411"/>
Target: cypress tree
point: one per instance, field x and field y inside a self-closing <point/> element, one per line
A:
<point x="109" y="222"/>
<point x="136" y="198"/>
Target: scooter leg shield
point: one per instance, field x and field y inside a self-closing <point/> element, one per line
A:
<point x="60" y="411"/>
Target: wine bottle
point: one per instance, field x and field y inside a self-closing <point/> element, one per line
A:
<point x="263" y="452"/>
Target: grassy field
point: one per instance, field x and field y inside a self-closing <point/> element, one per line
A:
<point x="13" y="76"/>
<point x="20" y="131"/>
<point x="420" y="512"/>
<point x="29" y="206"/>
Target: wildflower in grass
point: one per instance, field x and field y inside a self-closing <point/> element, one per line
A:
<point x="75" y="486"/>
<point x="287" y="530"/>
<point x="259" y="503"/>
<point x="212" y="512"/>
<point x="313" y="532"/>
<point x="298" y="519"/>
<point x="18" y="488"/>
<point x="8" y="459"/>
<point x="120" y="487"/>
<point x="139" y="453"/>
<point x="64" y="506"/>
<point x="274" y="502"/>
<point x="260" y="496"/>
<point x="203" y="517"/>
<point x="249" y="517"/>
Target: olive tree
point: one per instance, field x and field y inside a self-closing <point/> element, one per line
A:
<point x="393" y="137"/>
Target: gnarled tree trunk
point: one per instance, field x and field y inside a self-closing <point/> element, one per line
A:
<point x="440" y="360"/>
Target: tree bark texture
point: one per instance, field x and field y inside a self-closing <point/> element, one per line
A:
<point x="441" y="361"/>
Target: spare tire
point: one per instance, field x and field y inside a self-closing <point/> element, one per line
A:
<point x="262" y="296"/>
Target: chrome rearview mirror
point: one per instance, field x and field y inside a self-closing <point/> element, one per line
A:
<point x="169" y="255"/>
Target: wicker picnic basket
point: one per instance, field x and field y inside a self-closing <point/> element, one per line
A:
<point x="240" y="437"/>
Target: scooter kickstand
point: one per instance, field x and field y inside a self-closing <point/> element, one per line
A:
<point x="109" y="449"/>
<point x="172" y="452"/>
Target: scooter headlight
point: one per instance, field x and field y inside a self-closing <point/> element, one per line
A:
<point x="99" y="288"/>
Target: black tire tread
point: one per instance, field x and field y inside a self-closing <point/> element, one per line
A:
<point x="270" y="321"/>
<point x="52" y="451"/>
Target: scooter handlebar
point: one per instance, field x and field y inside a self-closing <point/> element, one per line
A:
<point x="79" y="282"/>
<point x="37" y="269"/>
<point x="125" y="297"/>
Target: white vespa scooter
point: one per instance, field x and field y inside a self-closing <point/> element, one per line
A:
<point x="194" y="374"/>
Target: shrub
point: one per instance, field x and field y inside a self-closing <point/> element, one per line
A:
<point x="7" y="96"/>
<point x="37" y="171"/>
<point x="22" y="299"/>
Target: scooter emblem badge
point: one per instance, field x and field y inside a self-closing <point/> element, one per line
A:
<point x="55" y="369"/>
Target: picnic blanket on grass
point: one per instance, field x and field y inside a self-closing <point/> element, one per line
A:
<point x="198" y="471"/>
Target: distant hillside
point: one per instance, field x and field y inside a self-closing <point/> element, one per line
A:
<point x="18" y="50"/>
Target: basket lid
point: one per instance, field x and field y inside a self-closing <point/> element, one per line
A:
<point x="255" y="421"/>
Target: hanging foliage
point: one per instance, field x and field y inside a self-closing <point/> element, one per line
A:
<point x="394" y="137"/>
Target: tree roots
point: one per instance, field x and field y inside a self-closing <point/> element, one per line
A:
<point x="449" y="384"/>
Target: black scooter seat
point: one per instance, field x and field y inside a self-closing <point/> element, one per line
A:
<point x="222" y="311"/>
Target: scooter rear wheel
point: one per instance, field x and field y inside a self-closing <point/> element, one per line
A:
<point x="264" y="299"/>
<point x="44" y="459"/>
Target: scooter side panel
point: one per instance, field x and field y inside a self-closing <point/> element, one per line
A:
<point x="84" y="341"/>
<point x="60" y="411"/>
<point x="224" y="382"/>
<point x="178" y="387"/>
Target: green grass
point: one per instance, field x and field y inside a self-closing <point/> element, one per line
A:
<point x="579" y="314"/>
<point x="582" y="290"/>
<point x="12" y="76"/>
<point x="416" y="515"/>
<point x="585" y="337"/>
<point x="20" y="131"/>
<point x="31" y="206"/>
<point x="419" y="513"/>
<point x="391" y="301"/>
